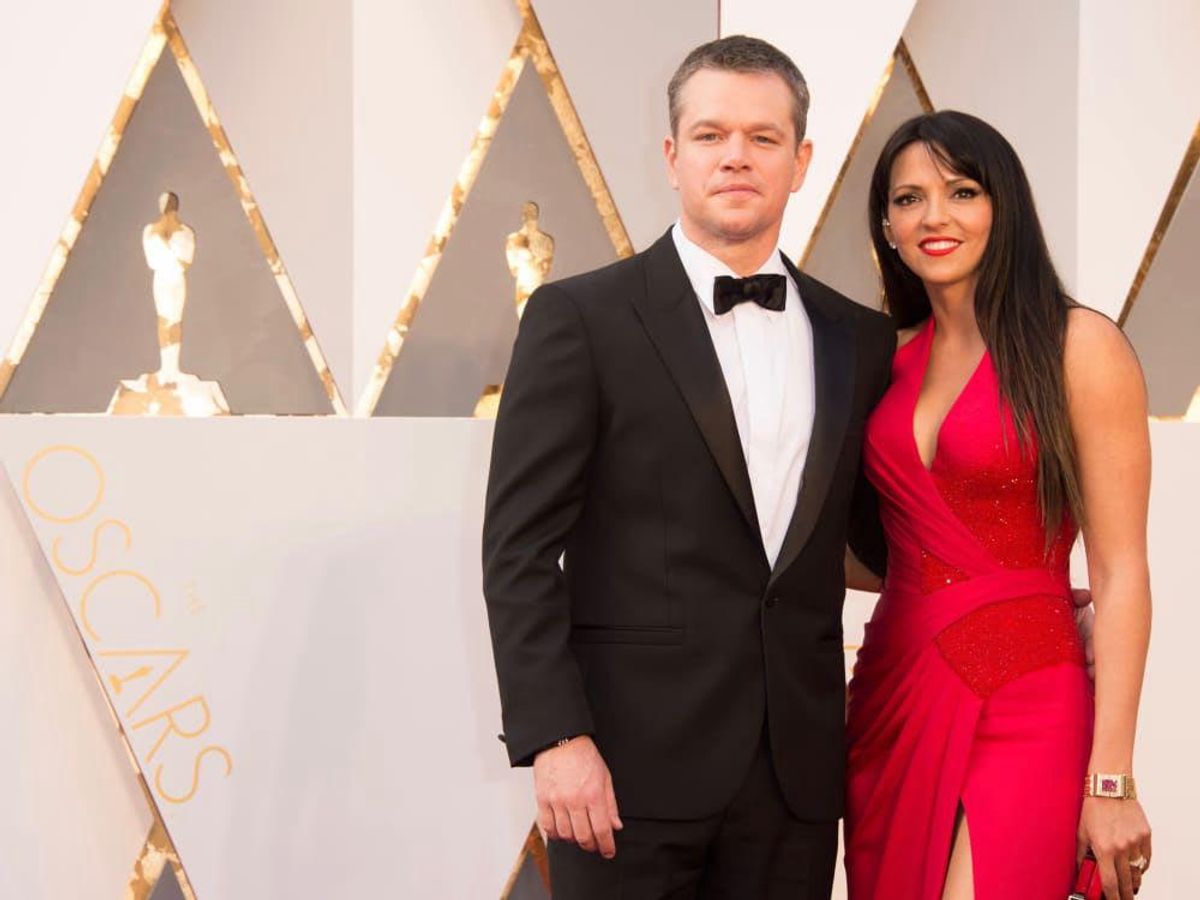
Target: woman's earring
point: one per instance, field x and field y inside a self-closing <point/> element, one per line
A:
<point x="886" y="225"/>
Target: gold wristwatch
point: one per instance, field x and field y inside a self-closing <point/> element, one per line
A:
<point x="1116" y="787"/>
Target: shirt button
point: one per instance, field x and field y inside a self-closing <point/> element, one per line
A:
<point x="771" y="601"/>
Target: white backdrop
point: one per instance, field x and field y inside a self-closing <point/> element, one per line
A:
<point x="323" y="575"/>
<point x="334" y="630"/>
<point x="311" y="695"/>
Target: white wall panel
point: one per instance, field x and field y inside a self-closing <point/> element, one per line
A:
<point x="63" y="67"/>
<point x="279" y="75"/>
<point x="616" y="59"/>
<point x="1139" y="99"/>
<point x="843" y="50"/>
<point x="1168" y="744"/>
<point x="336" y="712"/>
<point x="73" y="819"/>
<point x="423" y="78"/>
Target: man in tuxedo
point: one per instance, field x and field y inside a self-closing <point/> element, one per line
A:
<point x="682" y="428"/>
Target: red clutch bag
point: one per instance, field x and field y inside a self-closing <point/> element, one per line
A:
<point x="1087" y="882"/>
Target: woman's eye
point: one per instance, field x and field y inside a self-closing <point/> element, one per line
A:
<point x="966" y="193"/>
<point x="904" y="200"/>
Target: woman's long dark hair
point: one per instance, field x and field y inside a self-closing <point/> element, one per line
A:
<point x="1020" y="304"/>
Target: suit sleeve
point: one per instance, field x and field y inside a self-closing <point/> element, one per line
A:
<point x="866" y="536"/>
<point x="544" y="438"/>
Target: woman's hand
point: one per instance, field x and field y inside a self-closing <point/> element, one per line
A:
<point x="1119" y="835"/>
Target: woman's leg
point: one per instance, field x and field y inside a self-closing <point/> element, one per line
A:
<point x="960" y="872"/>
<point x="1024" y="785"/>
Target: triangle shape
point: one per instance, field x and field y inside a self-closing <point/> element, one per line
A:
<point x="168" y="887"/>
<point x="530" y="148"/>
<point x="1162" y="312"/>
<point x="71" y="793"/>
<point x="839" y="252"/>
<point x="530" y="879"/>
<point x="93" y="322"/>
<point x="158" y="852"/>
<point x="157" y="874"/>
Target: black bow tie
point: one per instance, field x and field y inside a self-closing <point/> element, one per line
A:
<point x="768" y="291"/>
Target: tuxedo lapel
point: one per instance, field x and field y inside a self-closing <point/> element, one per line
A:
<point x="672" y="317"/>
<point x="833" y="367"/>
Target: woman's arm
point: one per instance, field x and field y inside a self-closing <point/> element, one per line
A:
<point x="1106" y="396"/>
<point x="859" y="577"/>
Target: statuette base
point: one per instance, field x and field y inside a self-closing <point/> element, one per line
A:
<point x="185" y="395"/>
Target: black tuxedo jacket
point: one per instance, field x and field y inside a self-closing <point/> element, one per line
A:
<point x="665" y="634"/>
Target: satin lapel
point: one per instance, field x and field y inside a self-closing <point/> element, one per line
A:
<point x="673" y="319"/>
<point x="833" y="366"/>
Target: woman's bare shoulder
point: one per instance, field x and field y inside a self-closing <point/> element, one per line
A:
<point x="1098" y="360"/>
<point x="904" y="335"/>
<point x="1093" y="337"/>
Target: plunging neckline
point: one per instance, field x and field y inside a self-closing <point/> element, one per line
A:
<point x="926" y="337"/>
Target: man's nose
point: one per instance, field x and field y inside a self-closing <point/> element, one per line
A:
<point x="735" y="153"/>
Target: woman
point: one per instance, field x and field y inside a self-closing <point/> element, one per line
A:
<point x="1013" y="415"/>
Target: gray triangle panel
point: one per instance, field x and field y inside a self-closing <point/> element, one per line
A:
<point x="1164" y="323"/>
<point x="841" y="255"/>
<point x="100" y="324"/>
<point x="528" y="884"/>
<point x="461" y="338"/>
<point x="167" y="887"/>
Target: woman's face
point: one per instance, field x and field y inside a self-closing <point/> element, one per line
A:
<point x="938" y="219"/>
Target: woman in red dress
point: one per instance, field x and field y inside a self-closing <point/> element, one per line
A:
<point x="1013" y="415"/>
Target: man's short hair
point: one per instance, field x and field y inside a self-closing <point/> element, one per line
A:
<point x="739" y="53"/>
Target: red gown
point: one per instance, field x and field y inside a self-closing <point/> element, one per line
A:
<point x="970" y="688"/>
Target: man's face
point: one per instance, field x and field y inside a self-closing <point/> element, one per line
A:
<point x="734" y="158"/>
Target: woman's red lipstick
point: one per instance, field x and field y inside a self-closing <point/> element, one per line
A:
<point x="939" y="246"/>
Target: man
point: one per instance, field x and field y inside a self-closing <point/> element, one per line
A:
<point x="683" y="429"/>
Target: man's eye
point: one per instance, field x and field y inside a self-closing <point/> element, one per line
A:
<point x="707" y="136"/>
<point x="764" y="139"/>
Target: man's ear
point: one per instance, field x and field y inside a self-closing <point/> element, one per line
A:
<point x="800" y="165"/>
<point x="669" y="153"/>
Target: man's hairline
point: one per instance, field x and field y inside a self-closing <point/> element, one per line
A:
<point x="675" y="132"/>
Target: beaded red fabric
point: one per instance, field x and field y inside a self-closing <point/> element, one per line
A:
<point x="990" y="484"/>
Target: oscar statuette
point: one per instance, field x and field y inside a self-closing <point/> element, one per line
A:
<point x="530" y="254"/>
<point x="170" y="247"/>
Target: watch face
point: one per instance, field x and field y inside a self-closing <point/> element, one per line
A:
<point x="1110" y="786"/>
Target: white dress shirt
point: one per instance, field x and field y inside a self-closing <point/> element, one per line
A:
<point x="767" y="360"/>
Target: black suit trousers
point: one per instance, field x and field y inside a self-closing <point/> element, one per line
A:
<point x="754" y="849"/>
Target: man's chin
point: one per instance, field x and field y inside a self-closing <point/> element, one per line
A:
<point x="737" y="228"/>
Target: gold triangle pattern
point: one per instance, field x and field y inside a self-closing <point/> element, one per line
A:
<point x="159" y="849"/>
<point x="530" y="47"/>
<point x="902" y="57"/>
<point x="158" y="853"/>
<point x="165" y="35"/>
<point x="533" y="849"/>
<point x="1191" y="158"/>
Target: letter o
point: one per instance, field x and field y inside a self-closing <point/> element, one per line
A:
<point x="41" y="511"/>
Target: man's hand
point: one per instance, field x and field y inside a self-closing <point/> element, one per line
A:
<point x="1085" y="619"/>
<point x="575" y="798"/>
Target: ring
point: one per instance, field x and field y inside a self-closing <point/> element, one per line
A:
<point x="1139" y="863"/>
